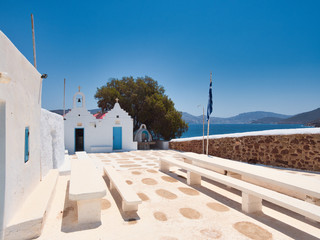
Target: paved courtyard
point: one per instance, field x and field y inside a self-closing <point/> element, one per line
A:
<point x="170" y="208"/>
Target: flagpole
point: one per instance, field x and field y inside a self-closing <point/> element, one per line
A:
<point x="208" y="136"/>
<point x="34" y="43"/>
<point x="209" y="116"/>
<point x="64" y="97"/>
<point x="203" y="132"/>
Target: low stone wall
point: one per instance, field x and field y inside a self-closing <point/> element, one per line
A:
<point x="300" y="151"/>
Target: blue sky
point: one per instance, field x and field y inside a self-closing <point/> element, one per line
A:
<point x="264" y="54"/>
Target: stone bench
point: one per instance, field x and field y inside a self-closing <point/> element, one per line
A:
<point x="82" y="155"/>
<point x="130" y="199"/>
<point x="101" y="148"/>
<point x="87" y="188"/>
<point x="29" y="220"/>
<point x="303" y="187"/>
<point x="252" y="195"/>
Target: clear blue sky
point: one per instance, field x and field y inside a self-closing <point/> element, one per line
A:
<point x="265" y="55"/>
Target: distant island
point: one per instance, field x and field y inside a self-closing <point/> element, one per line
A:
<point x="311" y="118"/>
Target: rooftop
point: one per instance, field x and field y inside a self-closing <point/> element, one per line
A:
<point x="171" y="209"/>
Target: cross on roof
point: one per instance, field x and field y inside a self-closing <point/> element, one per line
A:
<point x="117" y="99"/>
<point x="79" y="88"/>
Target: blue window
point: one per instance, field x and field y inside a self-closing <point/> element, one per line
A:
<point x="26" y="145"/>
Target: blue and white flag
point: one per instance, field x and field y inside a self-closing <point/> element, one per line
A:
<point x="210" y="103"/>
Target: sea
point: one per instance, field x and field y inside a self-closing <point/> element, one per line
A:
<point x="196" y="130"/>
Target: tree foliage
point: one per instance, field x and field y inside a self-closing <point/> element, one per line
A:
<point x="146" y="102"/>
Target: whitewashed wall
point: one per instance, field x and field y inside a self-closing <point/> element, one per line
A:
<point x="52" y="141"/>
<point x="80" y="117"/>
<point x="22" y="100"/>
<point x="2" y="162"/>
<point x="124" y="121"/>
<point x="98" y="133"/>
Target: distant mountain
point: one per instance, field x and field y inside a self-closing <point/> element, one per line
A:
<point x="94" y="111"/>
<point x="314" y="123"/>
<point x="267" y="120"/>
<point x="243" y="118"/>
<point x="303" y="118"/>
<point x="191" y="119"/>
<point x="60" y="111"/>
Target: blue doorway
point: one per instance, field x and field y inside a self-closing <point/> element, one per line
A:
<point x="117" y="138"/>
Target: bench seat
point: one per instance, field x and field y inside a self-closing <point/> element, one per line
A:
<point x="252" y="195"/>
<point x="29" y="220"/>
<point x="87" y="188"/>
<point x="82" y="155"/>
<point x="130" y="199"/>
<point x="101" y="148"/>
<point x="306" y="186"/>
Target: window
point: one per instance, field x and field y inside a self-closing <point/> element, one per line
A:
<point x="26" y="145"/>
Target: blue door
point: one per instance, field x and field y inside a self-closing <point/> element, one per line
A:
<point x="117" y="138"/>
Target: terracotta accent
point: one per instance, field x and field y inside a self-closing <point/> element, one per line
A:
<point x="300" y="151"/>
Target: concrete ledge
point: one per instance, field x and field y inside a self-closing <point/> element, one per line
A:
<point x="28" y="221"/>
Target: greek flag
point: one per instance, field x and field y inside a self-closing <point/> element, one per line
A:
<point x="210" y="103"/>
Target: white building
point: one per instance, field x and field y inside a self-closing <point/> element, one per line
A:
<point x="85" y="132"/>
<point x="20" y="132"/>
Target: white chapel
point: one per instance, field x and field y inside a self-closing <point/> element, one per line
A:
<point x="108" y="132"/>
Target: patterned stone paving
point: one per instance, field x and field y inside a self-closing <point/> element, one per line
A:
<point x="171" y="209"/>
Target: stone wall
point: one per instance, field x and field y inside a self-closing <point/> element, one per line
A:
<point x="300" y="151"/>
<point x="52" y="141"/>
<point x="20" y="104"/>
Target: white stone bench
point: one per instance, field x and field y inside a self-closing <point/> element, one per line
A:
<point x="87" y="188"/>
<point x="130" y="199"/>
<point x="82" y="155"/>
<point x="291" y="184"/>
<point x="101" y="148"/>
<point x="252" y="195"/>
<point x="29" y="220"/>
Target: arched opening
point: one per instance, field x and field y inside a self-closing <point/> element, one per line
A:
<point x="79" y="101"/>
<point x="2" y="163"/>
<point x="145" y="136"/>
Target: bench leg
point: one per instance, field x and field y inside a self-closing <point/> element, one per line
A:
<point x="314" y="201"/>
<point x="251" y="203"/>
<point x="193" y="178"/>
<point x="186" y="160"/>
<point x="89" y="211"/>
<point x="164" y="167"/>
<point x="111" y="185"/>
<point x="129" y="207"/>
<point x="233" y="175"/>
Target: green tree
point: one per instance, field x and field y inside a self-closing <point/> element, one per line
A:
<point x="146" y="102"/>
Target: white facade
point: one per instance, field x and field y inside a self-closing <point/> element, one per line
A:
<point x="52" y="141"/>
<point x="83" y="132"/>
<point x="20" y="104"/>
<point x="23" y="132"/>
